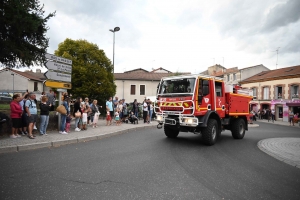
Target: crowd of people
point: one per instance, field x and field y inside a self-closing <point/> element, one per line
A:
<point x="269" y="114"/>
<point x="24" y="113"/>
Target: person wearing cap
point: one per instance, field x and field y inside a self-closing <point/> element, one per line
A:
<point x="63" y="117"/>
<point x="31" y="111"/>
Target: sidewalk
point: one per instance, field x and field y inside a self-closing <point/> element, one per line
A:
<point x="277" y="122"/>
<point x="54" y="139"/>
<point x="284" y="149"/>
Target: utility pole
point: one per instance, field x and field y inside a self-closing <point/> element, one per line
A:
<point x="277" y="57"/>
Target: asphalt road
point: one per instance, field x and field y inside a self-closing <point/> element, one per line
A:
<point x="147" y="165"/>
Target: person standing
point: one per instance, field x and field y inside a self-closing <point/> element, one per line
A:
<point x="109" y="106"/>
<point x="145" y="110"/>
<point x="273" y="115"/>
<point x="135" y="108"/>
<point x="115" y="102"/>
<point x="63" y="117"/>
<point x="23" y="129"/>
<point x="291" y="117"/>
<point x="51" y="99"/>
<point x="31" y="111"/>
<point x="150" y="112"/>
<point x="44" y="116"/>
<point x="86" y="101"/>
<point x="77" y="109"/>
<point x="15" y="115"/>
<point x="94" y="113"/>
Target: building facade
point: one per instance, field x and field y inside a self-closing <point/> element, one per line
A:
<point x="14" y="81"/>
<point x="140" y="83"/>
<point x="276" y="89"/>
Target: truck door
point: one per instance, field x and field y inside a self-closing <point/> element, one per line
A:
<point x="220" y="98"/>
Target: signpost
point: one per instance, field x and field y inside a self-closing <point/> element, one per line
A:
<point x="58" y="67"/>
<point x="54" y="84"/>
<point x="58" y="59"/>
<point x="57" y="76"/>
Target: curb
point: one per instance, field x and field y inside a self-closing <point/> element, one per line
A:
<point x="59" y="143"/>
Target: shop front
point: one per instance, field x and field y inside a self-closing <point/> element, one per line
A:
<point x="282" y="107"/>
<point x="294" y="106"/>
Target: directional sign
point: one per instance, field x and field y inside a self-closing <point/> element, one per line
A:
<point x="58" y="59"/>
<point x="59" y="67"/>
<point x="57" y="76"/>
<point x="54" y="84"/>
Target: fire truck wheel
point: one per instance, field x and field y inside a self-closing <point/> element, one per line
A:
<point x="170" y="133"/>
<point x="238" y="129"/>
<point x="209" y="134"/>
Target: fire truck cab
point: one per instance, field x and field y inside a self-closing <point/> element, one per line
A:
<point x="201" y="104"/>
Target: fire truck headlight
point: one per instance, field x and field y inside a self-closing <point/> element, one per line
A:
<point x="159" y="118"/>
<point x="189" y="121"/>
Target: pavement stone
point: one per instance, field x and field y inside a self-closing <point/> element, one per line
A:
<point x="284" y="149"/>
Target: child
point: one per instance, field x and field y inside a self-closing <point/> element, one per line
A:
<point x="84" y="109"/>
<point x="108" y="117"/>
<point x="117" y="118"/>
<point x="68" y="123"/>
<point x="133" y="118"/>
<point x="95" y="120"/>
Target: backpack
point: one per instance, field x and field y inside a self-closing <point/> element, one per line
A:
<point x="30" y="105"/>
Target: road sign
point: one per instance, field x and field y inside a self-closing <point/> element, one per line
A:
<point x="59" y="67"/>
<point x="57" y="76"/>
<point x="58" y="59"/>
<point x="54" y="84"/>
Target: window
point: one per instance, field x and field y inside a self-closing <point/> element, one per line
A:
<point x="172" y="86"/>
<point x="228" y="77"/>
<point x="278" y="92"/>
<point x="218" y="86"/>
<point x="254" y="93"/>
<point x="294" y="91"/>
<point x="35" y="87"/>
<point x="142" y="89"/>
<point x="132" y="89"/>
<point x="234" y="77"/>
<point x="266" y="93"/>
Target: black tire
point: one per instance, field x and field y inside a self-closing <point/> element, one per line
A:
<point x="238" y="128"/>
<point x="210" y="133"/>
<point x="170" y="133"/>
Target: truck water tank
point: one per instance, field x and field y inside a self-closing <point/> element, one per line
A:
<point x="229" y="88"/>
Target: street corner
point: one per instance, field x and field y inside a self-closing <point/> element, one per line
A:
<point x="253" y="125"/>
<point x="284" y="149"/>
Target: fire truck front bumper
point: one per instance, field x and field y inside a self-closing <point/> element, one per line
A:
<point x="178" y="121"/>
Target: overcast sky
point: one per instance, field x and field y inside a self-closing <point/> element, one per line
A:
<point x="178" y="35"/>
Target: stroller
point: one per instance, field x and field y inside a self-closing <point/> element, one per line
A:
<point x="4" y="120"/>
<point x="132" y="118"/>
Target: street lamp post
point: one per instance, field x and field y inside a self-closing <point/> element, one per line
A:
<point x="116" y="29"/>
<point x="13" y="83"/>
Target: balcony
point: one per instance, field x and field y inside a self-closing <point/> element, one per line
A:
<point x="295" y="96"/>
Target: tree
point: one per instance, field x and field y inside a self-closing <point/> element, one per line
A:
<point x="22" y="33"/>
<point x="91" y="70"/>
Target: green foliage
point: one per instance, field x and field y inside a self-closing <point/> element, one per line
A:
<point x="22" y="33"/>
<point x="91" y="70"/>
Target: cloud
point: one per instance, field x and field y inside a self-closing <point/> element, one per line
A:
<point x="282" y="15"/>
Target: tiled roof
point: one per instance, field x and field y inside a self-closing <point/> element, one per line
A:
<point x="275" y="74"/>
<point x="143" y="76"/>
<point x="138" y="70"/>
<point x="29" y="74"/>
<point x="154" y="71"/>
<point x="228" y="71"/>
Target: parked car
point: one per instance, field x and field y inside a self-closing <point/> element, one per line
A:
<point x="4" y="96"/>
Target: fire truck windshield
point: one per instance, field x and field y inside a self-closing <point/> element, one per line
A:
<point x="177" y="86"/>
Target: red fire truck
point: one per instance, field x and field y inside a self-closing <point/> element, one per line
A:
<point x="202" y="104"/>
